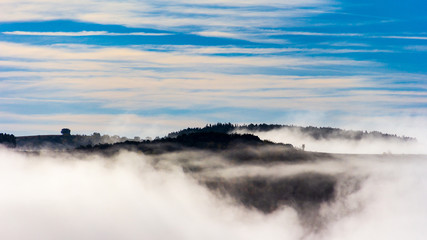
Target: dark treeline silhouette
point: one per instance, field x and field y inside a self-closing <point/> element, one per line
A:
<point x="66" y="141"/>
<point x="314" y="132"/>
<point x="219" y="128"/>
<point x="212" y="136"/>
<point x="205" y="137"/>
<point x="214" y="140"/>
<point x="7" y="140"/>
<point x="199" y="140"/>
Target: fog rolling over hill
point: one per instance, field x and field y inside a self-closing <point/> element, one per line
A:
<point x="335" y="143"/>
<point x="210" y="185"/>
<point x="323" y="139"/>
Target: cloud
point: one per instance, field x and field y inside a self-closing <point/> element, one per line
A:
<point x="134" y="196"/>
<point x="420" y="48"/>
<point x="166" y="14"/>
<point x="115" y="74"/>
<point x="174" y="80"/>
<point x="314" y="34"/>
<point x="340" y="145"/>
<point x="122" y="199"/>
<point x="401" y="124"/>
<point x="159" y="59"/>
<point x="406" y="37"/>
<point x="84" y="33"/>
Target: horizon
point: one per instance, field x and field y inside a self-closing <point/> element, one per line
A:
<point x="209" y="124"/>
<point x="313" y="139"/>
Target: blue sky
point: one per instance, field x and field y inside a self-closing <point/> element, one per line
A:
<point x="149" y="67"/>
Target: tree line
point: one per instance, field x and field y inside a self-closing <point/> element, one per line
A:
<point x="8" y="140"/>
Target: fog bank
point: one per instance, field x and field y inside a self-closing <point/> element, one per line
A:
<point x="341" y="145"/>
<point x="134" y="196"/>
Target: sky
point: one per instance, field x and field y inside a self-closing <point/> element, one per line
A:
<point x="145" y="68"/>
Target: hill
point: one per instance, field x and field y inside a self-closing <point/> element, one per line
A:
<point x="316" y="133"/>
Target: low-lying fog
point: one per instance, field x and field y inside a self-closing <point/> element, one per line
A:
<point x="134" y="196"/>
<point x="341" y="145"/>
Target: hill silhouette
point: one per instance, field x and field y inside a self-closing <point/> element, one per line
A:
<point x="235" y="147"/>
<point x="316" y="133"/>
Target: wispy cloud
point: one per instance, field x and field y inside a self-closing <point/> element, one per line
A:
<point x="421" y="48"/>
<point x="297" y="56"/>
<point x="84" y="33"/>
<point x="135" y="80"/>
<point x="406" y="37"/>
<point x="299" y="33"/>
<point x="208" y="16"/>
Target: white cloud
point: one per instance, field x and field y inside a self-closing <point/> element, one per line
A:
<point x="406" y="37"/>
<point x="314" y="34"/>
<point x="131" y="79"/>
<point x="421" y="48"/>
<point x="84" y="33"/>
<point x="206" y="15"/>
<point x="133" y="196"/>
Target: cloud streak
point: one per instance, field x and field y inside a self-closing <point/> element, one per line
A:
<point x="84" y="33"/>
<point x="211" y="60"/>
<point x="164" y="14"/>
<point x="133" y="80"/>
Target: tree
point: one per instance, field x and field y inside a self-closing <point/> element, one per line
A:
<point x="66" y="132"/>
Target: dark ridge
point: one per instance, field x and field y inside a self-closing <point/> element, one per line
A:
<point x="228" y="145"/>
<point x="216" y="136"/>
<point x="219" y="128"/>
<point x="214" y="140"/>
<point x="317" y="133"/>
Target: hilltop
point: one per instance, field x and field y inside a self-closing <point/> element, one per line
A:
<point x="211" y="136"/>
<point x="316" y="133"/>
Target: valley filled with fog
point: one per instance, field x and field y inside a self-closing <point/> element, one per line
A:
<point x="213" y="194"/>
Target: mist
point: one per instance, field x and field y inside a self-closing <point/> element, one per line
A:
<point x="54" y="195"/>
<point x="339" y="144"/>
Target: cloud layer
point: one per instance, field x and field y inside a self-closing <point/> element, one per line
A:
<point x="245" y="61"/>
<point x="132" y="196"/>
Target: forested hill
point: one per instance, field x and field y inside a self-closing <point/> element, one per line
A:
<point x="68" y="141"/>
<point x="7" y="140"/>
<point x="317" y="133"/>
